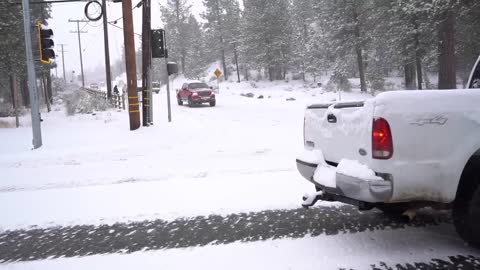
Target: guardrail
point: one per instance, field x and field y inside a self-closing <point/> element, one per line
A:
<point x="117" y="101"/>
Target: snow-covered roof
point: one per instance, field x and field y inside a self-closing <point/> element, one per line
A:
<point x="193" y="81"/>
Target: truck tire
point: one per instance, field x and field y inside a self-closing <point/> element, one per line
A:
<point x="179" y="101"/>
<point x="466" y="207"/>
<point x="190" y="102"/>
<point x="213" y="103"/>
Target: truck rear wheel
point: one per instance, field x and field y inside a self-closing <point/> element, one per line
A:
<point x="466" y="207"/>
<point x="179" y="101"/>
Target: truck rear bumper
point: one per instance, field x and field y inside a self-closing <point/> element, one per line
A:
<point x="364" y="190"/>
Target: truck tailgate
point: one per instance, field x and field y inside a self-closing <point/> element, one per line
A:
<point x="340" y="130"/>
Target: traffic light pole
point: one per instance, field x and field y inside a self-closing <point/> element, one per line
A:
<point x="32" y="80"/>
<point x="146" y="64"/>
<point x="169" y="106"/>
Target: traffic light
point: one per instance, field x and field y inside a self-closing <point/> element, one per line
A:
<point x="45" y="44"/>
<point x="158" y="44"/>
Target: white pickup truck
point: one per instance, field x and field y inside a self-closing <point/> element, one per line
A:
<point x="399" y="151"/>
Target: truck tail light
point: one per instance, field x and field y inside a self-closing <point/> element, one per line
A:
<point x="382" y="142"/>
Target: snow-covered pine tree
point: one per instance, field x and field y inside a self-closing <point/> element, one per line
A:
<point x="222" y="22"/>
<point x="12" y="45"/>
<point x="344" y="24"/>
<point x="175" y="14"/>
<point x="468" y="39"/>
<point x="302" y="16"/>
<point x="266" y="35"/>
<point x="197" y="56"/>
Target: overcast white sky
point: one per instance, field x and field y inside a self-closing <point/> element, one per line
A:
<point x="92" y="42"/>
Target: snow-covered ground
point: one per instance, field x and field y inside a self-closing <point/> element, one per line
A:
<point x="237" y="157"/>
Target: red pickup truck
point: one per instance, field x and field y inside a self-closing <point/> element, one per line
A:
<point x="195" y="93"/>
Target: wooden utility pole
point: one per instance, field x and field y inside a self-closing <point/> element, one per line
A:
<point x="146" y="64"/>
<point x="63" y="63"/>
<point x="108" y="76"/>
<point x="80" y="45"/>
<point x="133" y="105"/>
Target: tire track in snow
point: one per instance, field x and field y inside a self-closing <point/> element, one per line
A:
<point x="83" y="240"/>
<point x="453" y="263"/>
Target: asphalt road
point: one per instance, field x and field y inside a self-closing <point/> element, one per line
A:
<point x="55" y="242"/>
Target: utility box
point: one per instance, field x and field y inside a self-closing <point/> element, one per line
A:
<point x="172" y="68"/>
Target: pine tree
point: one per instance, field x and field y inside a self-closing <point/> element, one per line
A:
<point x="12" y="44"/>
<point x="175" y="16"/>
<point x="197" y="56"/>
<point x="222" y="21"/>
<point x="266" y="35"/>
<point x="344" y="22"/>
<point x="468" y="39"/>
<point x="301" y="21"/>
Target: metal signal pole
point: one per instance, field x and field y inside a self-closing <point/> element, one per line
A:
<point x="133" y="104"/>
<point x="32" y="80"/>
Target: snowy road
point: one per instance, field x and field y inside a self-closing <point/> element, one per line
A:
<point x="322" y="236"/>
<point x="215" y="189"/>
<point x="84" y="240"/>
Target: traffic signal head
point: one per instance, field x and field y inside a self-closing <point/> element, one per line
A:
<point x="158" y="43"/>
<point x="45" y="44"/>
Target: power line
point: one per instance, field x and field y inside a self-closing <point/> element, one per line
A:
<point x="139" y="4"/>
<point x="121" y="28"/>
<point x="50" y="2"/>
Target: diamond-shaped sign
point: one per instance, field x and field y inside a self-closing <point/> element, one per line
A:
<point x="217" y="73"/>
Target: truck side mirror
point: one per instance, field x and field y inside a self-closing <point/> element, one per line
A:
<point x="474" y="81"/>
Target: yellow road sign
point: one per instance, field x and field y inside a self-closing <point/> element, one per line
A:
<point x="217" y="72"/>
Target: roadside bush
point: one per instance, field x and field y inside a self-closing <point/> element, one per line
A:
<point x="6" y="110"/>
<point x="338" y="82"/>
<point x="376" y="82"/>
<point x="82" y="102"/>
